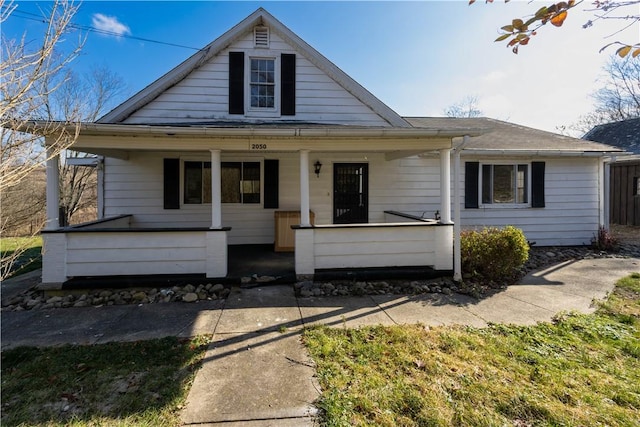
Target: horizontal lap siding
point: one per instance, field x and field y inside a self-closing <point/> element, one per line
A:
<point x="571" y="213"/>
<point x="204" y="94"/>
<point x="135" y="187"/>
<point x="408" y="185"/>
<point x="130" y="253"/>
<point x="374" y="247"/>
<point x="250" y="223"/>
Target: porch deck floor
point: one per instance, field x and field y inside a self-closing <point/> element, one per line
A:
<point x="260" y="260"/>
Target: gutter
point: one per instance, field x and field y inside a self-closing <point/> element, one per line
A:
<point x="99" y="129"/>
<point x="543" y="153"/>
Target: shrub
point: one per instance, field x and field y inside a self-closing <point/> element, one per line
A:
<point x="604" y="240"/>
<point x="492" y="254"/>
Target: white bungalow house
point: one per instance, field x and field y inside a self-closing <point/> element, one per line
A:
<point x="258" y="132"/>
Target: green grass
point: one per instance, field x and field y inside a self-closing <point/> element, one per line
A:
<point x="579" y="370"/>
<point x="120" y="384"/>
<point x="29" y="255"/>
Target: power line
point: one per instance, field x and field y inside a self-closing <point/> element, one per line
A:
<point x="35" y="17"/>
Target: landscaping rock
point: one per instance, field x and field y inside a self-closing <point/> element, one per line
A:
<point x="538" y="258"/>
<point x="190" y="297"/>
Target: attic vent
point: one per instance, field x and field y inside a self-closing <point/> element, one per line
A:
<point x="261" y="37"/>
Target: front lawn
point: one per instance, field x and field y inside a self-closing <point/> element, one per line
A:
<point x="27" y="251"/>
<point x="580" y="370"/>
<point x="120" y="384"/>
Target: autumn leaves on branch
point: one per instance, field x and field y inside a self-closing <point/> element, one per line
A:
<point x="519" y="32"/>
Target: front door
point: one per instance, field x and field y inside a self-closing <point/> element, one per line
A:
<point x="350" y="193"/>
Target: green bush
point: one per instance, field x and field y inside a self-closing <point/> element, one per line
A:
<point x="493" y="255"/>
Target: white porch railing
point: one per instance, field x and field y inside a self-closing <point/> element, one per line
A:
<point x="400" y="244"/>
<point x="112" y="249"/>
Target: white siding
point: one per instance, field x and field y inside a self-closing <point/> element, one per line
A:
<point x="135" y="187"/>
<point x="408" y="185"/>
<point x="126" y="253"/>
<point x="380" y="245"/>
<point x="570" y="216"/>
<point x="204" y="94"/>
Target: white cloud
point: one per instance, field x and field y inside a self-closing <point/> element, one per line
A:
<point x="110" y="24"/>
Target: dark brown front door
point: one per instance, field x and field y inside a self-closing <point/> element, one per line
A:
<point x="350" y="193"/>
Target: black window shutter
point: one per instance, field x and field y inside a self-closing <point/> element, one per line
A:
<point x="271" y="194"/>
<point x="537" y="184"/>
<point x="471" y="170"/>
<point x="236" y="82"/>
<point x="288" y="84"/>
<point x="172" y="183"/>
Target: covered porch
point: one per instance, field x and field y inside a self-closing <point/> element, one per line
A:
<point x="125" y="245"/>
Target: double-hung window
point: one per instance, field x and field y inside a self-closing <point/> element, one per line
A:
<point x="240" y="182"/>
<point x="505" y="184"/>
<point x="262" y="83"/>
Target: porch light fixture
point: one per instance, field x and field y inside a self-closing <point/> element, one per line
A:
<point x="317" y="166"/>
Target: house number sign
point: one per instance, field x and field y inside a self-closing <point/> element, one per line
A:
<point x="257" y="147"/>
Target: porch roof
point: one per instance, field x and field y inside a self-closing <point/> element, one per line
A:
<point x="116" y="139"/>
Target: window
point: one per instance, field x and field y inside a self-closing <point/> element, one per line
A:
<point x="505" y="184"/>
<point x="253" y="81"/>
<point x="240" y="182"/>
<point x="197" y="182"/>
<point x="262" y="83"/>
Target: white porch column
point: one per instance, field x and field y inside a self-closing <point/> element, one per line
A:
<point x="607" y="194"/>
<point x="457" y="253"/>
<point x="53" y="190"/>
<point x="216" y="190"/>
<point x="304" y="189"/>
<point x="445" y="186"/>
<point x="602" y="203"/>
<point x="100" y="201"/>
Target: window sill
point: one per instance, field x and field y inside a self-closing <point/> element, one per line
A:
<point x="505" y="206"/>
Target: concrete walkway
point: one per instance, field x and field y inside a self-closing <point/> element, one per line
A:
<point x="257" y="372"/>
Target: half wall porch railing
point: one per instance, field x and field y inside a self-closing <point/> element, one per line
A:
<point x="110" y="247"/>
<point x="397" y="244"/>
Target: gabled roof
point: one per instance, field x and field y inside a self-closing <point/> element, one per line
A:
<point x="503" y="137"/>
<point x="259" y="17"/>
<point x="624" y="134"/>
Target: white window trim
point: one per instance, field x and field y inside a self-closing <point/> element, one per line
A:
<point x="505" y="205"/>
<point x="257" y="111"/>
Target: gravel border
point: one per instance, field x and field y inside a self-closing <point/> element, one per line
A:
<point x="539" y="257"/>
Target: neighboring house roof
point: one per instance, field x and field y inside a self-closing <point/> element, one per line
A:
<point x="503" y="136"/>
<point x="624" y="134"/>
<point x="259" y="17"/>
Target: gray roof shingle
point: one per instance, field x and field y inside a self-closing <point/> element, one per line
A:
<point x="624" y="134"/>
<point x="509" y="136"/>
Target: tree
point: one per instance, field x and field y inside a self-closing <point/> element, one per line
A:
<point x="520" y="31"/>
<point x="468" y="108"/>
<point x="86" y="96"/>
<point x="25" y="68"/>
<point x="617" y="99"/>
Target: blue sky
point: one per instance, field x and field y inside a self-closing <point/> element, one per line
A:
<point x="418" y="57"/>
